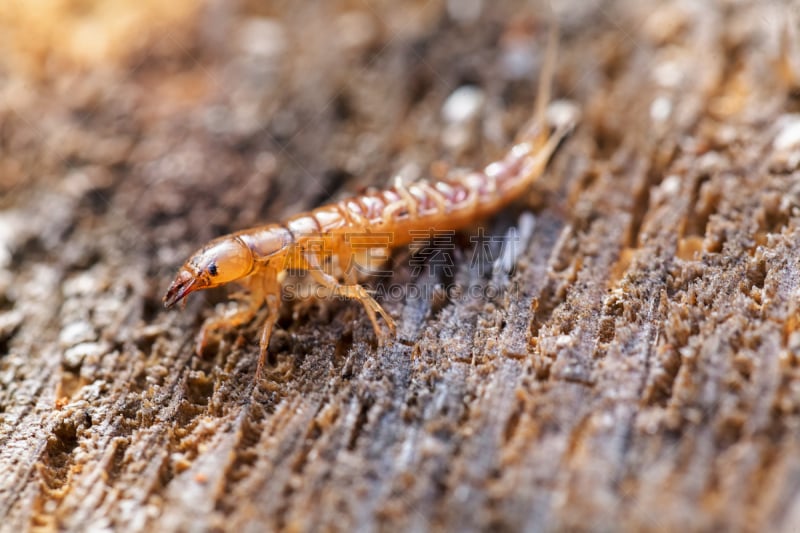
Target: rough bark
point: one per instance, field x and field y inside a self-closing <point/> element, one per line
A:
<point x="637" y="370"/>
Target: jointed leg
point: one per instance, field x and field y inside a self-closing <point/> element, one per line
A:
<point x="406" y="202"/>
<point x="263" y="288"/>
<point x="271" y="290"/>
<point x="408" y="198"/>
<point x="250" y="303"/>
<point x="438" y="198"/>
<point x="348" y="264"/>
<point x="354" y="291"/>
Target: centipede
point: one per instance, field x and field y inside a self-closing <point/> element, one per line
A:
<point x="257" y="257"/>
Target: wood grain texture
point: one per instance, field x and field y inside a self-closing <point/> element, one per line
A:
<point x="639" y="369"/>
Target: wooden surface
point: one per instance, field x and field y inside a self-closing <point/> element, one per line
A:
<point x="638" y="370"/>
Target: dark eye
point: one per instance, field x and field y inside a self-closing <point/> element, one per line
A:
<point x="212" y="269"/>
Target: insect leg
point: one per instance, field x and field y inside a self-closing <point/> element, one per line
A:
<point x="354" y="291"/>
<point x="347" y="266"/>
<point x="271" y="290"/>
<point x="406" y="203"/>
<point x="244" y="312"/>
<point x="438" y="198"/>
<point x="408" y="198"/>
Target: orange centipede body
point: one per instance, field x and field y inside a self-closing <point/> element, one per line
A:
<point x="256" y="257"/>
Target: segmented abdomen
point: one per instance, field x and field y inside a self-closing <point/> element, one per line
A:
<point x="448" y="204"/>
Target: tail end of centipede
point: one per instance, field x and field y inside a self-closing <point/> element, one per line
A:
<point x="546" y="77"/>
<point x="551" y="121"/>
